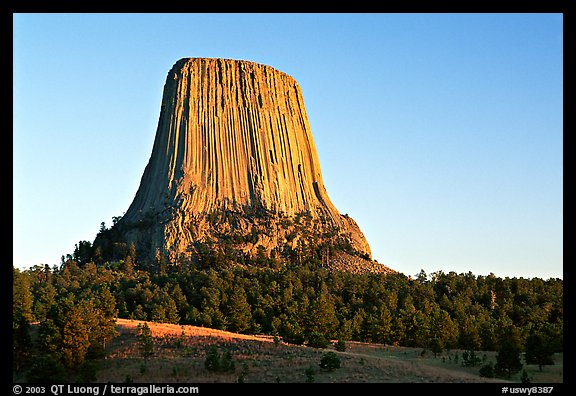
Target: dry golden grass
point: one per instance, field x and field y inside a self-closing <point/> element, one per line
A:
<point x="169" y="329"/>
<point x="179" y="354"/>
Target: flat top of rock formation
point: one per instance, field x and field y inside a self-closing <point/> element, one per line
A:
<point x="182" y="61"/>
<point x="233" y="137"/>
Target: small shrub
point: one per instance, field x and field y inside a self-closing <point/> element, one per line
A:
<point x="525" y="378"/>
<point x="87" y="372"/>
<point x="340" y="346"/>
<point x="215" y="362"/>
<point x="243" y="373"/>
<point x="487" y="371"/>
<point x="469" y="359"/>
<point x="294" y="335"/>
<point x="46" y="369"/>
<point x="330" y="361"/>
<point x="310" y="372"/>
<point x="212" y="361"/>
<point x="145" y="340"/>
<point x="188" y="351"/>
<point x="226" y="362"/>
<point x="317" y="340"/>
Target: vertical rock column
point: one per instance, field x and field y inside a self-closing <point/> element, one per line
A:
<point x="232" y="134"/>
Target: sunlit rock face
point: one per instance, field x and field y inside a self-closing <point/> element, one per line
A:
<point x="233" y="160"/>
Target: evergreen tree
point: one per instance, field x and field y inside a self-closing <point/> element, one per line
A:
<point x="45" y="294"/>
<point x="215" y="362"/>
<point x="310" y="372"/>
<point x="46" y="369"/>
<point x="22" y="299"/>
<point x="435" y="312"/>
<point x="340" y="345"/>
<point x="377" y="326"/>
<point x="317" y="340"/>
<point x="539" y="350"/>
<point x="21" y="316"/>
<point x="128" y="266"/>
<point x="508" y="359"/>
<point x="212" y="361"/>
<point x="21" y="344"/>
<point x="145" y="340"/>
<point x="226" y="362"/>
<point x="75" y="338"/>
<point x="83" y="251"/>
<point x="321" y="316"/>
<point x="436" y="346"/>
<point x="330" y="361"/>
<point x="292" y="333"/>
<point x="487" y="370"/>
<point x="104" y="319"/>
<point x="443" y="329"/>
<point x="525" y="378"/>
<point x="238" y="310"/>
<point x="49" y="337"/>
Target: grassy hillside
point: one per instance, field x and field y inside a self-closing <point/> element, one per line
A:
<point x="179" y="353"/>
<point x="74" y="338"/>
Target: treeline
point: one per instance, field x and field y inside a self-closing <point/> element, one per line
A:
<point x="299" y="302"/>
<point x="75" y="323"/>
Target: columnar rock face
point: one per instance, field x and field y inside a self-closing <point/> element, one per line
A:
<point x="233" y="155"/>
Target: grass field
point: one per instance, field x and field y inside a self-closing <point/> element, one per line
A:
<point x="179" y="353"/>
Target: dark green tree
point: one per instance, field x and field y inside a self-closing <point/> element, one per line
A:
<point x="321" y="315"/>
<point x="487" y="370"/>
<point x="539" y="350"/>
<point x="212" y="360"/>
<point x="330" y="361"/>
<point x="293" y="334"/>
<point x="310" y="372"/>
<point x="469" y="359"/>
<point x="47" y="369"/>
<point x="340" y="345"/>
<point x="21" y="316"/>
<point x="508" y="359"/>
<point x="216" y="362"/>
<point x="525" y="378"/>
<point x="443" y="329"/>
<point x="103" y="320"/>
<point x="21" y="344"/>
<point x="22" y="299"/>
<point x="75" y="337"/>
<point x="49" y="338"/>
<point x="226" y="362"/>
<point x="238" y="310"/>
<point x="130" y="261"/>
<point x="317" y="340"/>
<point x="83" y="251"/>
<point x="145" y="340"/>
<point x="436" y="346"/>
<point x="243" y="373"/>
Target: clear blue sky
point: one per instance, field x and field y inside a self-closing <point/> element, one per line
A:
<point x="440" y="134"/>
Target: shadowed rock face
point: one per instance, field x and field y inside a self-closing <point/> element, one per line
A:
<point x="233" y="154"/>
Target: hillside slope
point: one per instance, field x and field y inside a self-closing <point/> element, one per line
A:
<point x="180" y="351"/>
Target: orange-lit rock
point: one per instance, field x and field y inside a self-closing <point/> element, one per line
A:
<point x="233" y="139"/>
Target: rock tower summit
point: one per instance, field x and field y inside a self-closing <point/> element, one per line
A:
<point x="233" y="159"/>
